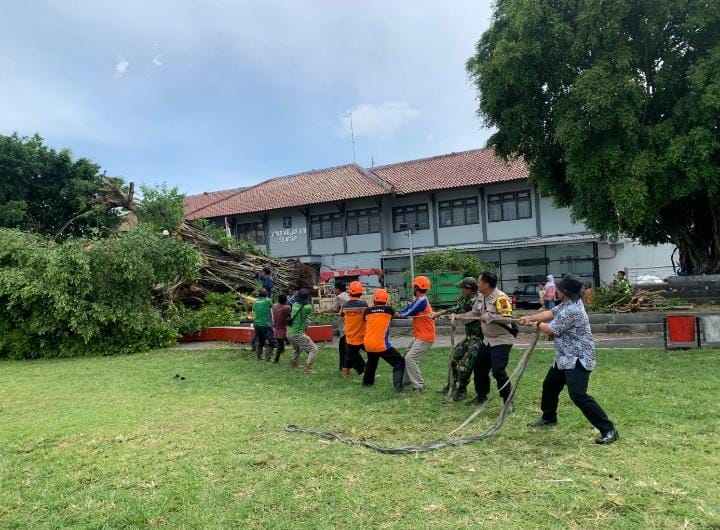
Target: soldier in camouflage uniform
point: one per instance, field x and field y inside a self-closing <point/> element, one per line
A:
<point x="465" y="352"/>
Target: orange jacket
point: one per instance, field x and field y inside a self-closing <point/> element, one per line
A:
<point x="377" y="328"/>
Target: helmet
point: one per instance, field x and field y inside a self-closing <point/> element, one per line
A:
<point x="381" y="296"/>
<point x="469" y="283"/>
<point x="422" y="283"/>
<point x="355" y="289"/>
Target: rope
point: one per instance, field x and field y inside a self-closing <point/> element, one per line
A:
<point x="447" y="441"/>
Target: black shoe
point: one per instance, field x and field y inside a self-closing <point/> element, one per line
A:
<point x="477" y="400"/>
<point x="444" y="390"/>
<point x="459" y="395"/>
<point x="608" y="438"/>
<point x="541" y="422"/>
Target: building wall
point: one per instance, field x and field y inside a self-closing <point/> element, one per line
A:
<point x="557" y="221"/>
<point x="398" y="240"/>
<point x="636" y="259"/>
<point x="285" y="242"/>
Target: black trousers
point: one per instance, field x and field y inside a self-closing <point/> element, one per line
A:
<point x="265" y="336"/>
<point x="577" y="381"/>
<point x="394" y="359"/>
<point x="352" y="358"/>
<point x="280" y="348"/>
<point x="341" y="352"/>
<point x="492" y="359"/>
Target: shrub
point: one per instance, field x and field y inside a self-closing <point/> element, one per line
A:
<point x="219" y="309"/>
<point x="452" y="261"/>
<point x="89" y="297"/>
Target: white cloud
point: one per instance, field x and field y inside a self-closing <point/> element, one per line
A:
<point x="156" y="59"/>
<point x="121" y="67"/>
<point x="377" y="120"/>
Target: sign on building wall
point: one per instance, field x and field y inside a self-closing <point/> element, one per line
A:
<point x="288" y="235"/>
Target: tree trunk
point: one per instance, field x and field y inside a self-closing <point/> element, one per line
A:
<point x="699" y="244"/>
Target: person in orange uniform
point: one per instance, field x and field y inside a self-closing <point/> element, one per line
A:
<point x="423" y="332"/>
<point x="353" y="314"/>
<point x="377" y="341"/>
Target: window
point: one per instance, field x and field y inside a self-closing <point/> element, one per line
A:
<point x="253" y="232"/>
<point x="365" y="221"/>
<point x="287" y="222"/>
<point x="509" y="206"/>
<point x="326" y="225"/>
<point x="417" y="214"/>
<point x="459" y="212"/>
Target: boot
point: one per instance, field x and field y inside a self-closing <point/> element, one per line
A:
<point x="460" y="393"/>
<point x="345" y="373"/>
<point x="268" y="353"/>
<point x="258" y="353"/>
<point x="398" y="376"/>
<point x="277" y="356"/>
<point x="309" y="368"/>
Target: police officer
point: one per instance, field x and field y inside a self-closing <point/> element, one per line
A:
<point x="498" y="338"/>
<point x="465" y="352"/>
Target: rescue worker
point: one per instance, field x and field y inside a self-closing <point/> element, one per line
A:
<point x="574" y="360"/>
<point x="341" y="296"/>
<point x="465" y="352"/>
<point x="498" y="339"/>
<point x="423" y="332"/>
<point x="296" y="332"/>
<point x="377" y="343"/>
<point x="353" y="315"/>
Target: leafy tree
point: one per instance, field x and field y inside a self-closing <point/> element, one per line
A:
<point x="41" y="189"/>
<point x="451" y="261"/>
<point x="161" y="206"/>
<point x="615" y="107"/>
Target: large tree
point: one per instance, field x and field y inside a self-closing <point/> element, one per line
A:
<point x="42" y="189"/>
<point x="615" y="106"/>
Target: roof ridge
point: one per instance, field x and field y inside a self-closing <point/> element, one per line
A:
<point x="377" y="179"/>
<point x="205" y="193"/>
<point x="436" y="157"/>
<point x="219" y="199"/>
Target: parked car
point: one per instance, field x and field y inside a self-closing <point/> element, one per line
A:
<point x="528" y="298"/>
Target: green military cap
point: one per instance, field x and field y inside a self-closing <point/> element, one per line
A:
<point x="469" y="283"/>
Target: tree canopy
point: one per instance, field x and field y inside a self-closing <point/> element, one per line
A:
<point x="42" y="189"/>
<point x="615" y="107"/>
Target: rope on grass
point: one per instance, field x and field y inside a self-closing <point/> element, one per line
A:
<point x="447" y="441"/>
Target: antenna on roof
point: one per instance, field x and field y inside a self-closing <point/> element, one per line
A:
<point x="352" y="135"/>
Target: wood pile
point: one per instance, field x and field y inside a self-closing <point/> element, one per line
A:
<point x="226" y="269"/>
<point x="642" y="300"/>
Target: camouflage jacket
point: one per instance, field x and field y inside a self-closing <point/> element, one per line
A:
<point x="473" y="328"/>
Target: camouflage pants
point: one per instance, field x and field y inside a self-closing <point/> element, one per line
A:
<point x="464" y="356"/>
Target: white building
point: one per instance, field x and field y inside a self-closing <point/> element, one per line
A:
<point x="350" y="217"/>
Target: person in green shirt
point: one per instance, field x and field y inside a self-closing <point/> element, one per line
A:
<point x="465" y="352"/>
<point x="262" y="307"/>
<point x="296" y="332"/>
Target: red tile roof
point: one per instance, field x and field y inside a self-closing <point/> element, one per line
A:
<point x="193" y="203"/>
<point x="311" y="187"/>
<point x="455" y="170"/>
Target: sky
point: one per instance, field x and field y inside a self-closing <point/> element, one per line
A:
<point x="216" y="94"/>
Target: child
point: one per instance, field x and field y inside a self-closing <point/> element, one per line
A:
<point x="423" y="332"/>
<point x="377" y="344"/>
<point x="280" y="315"/>
<point x="353" y="314"/>
<point x="262" y="307"/>
<point x="296" y="332"/>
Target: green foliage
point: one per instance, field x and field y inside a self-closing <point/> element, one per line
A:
<point x="41" y="189"/>
<point x="87" y="297"/>
<point x="614" y="105"/>
<point x="218" y="234"/>
<point x="219" y="309"/>
<point x="161" y="206"/>
<point x="606" y="297"/>
<point x="452" y="261"/>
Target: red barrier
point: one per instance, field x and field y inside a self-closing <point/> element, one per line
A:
<point x="681" y="331"/>
<point x="244" y="334"/>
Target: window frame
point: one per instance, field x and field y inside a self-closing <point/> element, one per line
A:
<point x="449" y="206"/>
<point x="335" y="220"/>
<point x="255" y="228"/>
<point x="354" y="217"/>
<point x="410" y="208"/>
<point x="499" y="201"/>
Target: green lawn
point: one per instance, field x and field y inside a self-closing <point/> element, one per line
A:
<point x="117" y="442"/>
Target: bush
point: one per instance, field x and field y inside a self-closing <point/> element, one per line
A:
<point x="89" y="297"/>
<point x="219" y="309"/>
<point x="611" y="295"/>
<point x="452" y="261"/>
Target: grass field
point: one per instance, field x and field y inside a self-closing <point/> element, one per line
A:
<point x="117" y="442"/>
